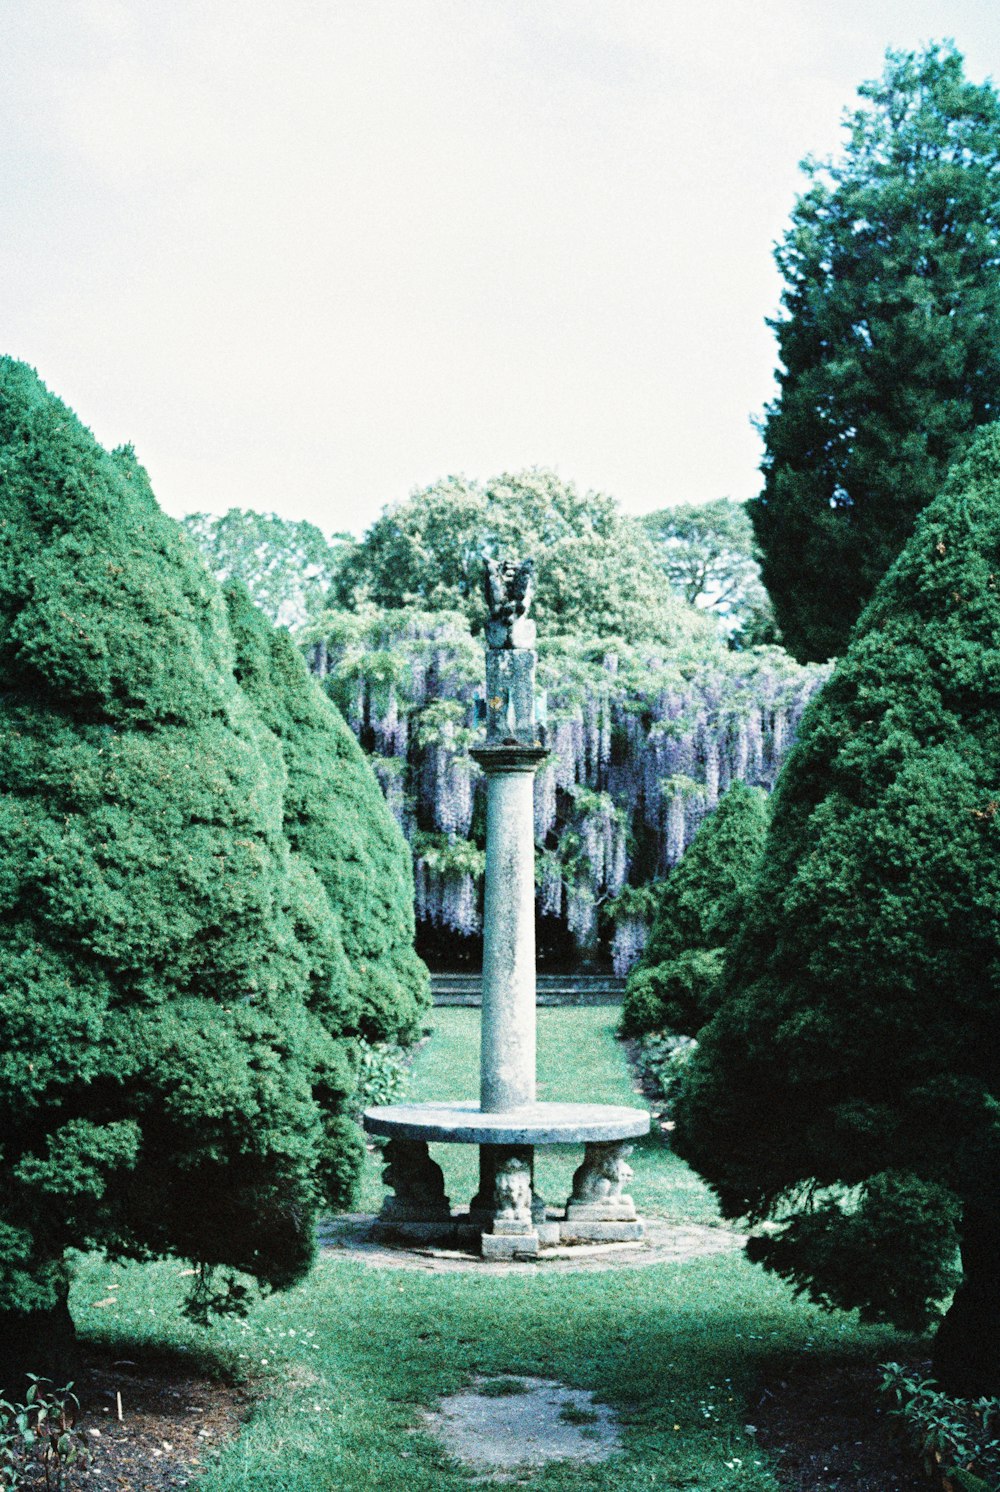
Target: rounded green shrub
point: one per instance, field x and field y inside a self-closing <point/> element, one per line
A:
<point x="175" y="999"/>
<point x="337" y="821"/>
<point x="849" y="1087"/>
<point x="677" y="984"/>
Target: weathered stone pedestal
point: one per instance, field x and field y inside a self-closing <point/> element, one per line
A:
<point x="598" y="1211"/>
<point x="419" y="1211"/>
<point x="506" y="1217"/>
<point x="511" y="1227"/>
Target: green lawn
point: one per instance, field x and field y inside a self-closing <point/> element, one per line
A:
<point x="354" y="1353"/>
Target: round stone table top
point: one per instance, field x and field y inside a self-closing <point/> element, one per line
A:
<point x="531" y="1124"/>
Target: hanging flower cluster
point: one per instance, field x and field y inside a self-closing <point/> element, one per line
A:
<point x="446" y="877"/>
<point x="630" y="937"/>
<point x="642" y="742"/>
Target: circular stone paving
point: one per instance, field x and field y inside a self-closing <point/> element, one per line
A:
<point x="664" y="1243"/>
<point x="510" y="1423"/>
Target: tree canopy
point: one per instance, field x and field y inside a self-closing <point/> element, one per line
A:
<point x="708" y="553"/>
<point x="701" y="902"/>
<point x="889" y="340"/>
<point x="287" y="565"/>
<point x="849" y="1087"/>
<point x="176" y="1010"/>
<point x="596" y="573"/>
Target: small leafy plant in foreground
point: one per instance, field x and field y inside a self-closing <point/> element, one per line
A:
<point x="40" y="1437"/>
<point x="662" y="1058"/>
<point x="958" y="1438"/>
<point x="383" y="1073"/>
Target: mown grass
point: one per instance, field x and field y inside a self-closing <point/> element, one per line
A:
<point x="354" y="1354"/>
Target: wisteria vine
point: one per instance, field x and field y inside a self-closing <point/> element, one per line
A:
<point x="642" y="742"/>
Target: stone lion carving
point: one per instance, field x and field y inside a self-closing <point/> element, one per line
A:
<point x="512" y="1191"/>
<point x="411" y="1174"/>
<point x="603" y="1175"/>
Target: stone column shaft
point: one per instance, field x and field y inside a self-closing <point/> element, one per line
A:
<point x="507" y="1051"/>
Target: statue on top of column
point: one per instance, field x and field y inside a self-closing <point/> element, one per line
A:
<point x="508" y="588"/>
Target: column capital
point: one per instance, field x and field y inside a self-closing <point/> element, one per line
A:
<point x="508" y="758"/>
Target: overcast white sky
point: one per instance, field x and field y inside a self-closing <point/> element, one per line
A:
<point x="310" y="254"/>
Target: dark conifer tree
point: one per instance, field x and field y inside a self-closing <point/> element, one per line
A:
<point x="337" y="821"/>
<point x="849" y="1087"/>
<point x="889" y="341"/>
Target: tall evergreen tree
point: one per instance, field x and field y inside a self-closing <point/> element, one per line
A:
<point x="849" y="1087"/>
<point x="172" y="1072"/>
<point x="889" y="341"/>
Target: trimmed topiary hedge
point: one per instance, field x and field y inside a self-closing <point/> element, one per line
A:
<point x="677" y="984"/>
<point x="175" y="1003"/>
<point x="849" y="1087"/>
<point x="337" y="820"/>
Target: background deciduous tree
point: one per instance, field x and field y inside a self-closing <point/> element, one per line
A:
<point x="287" y="565"/>
<point x="708" y="553"/>
<point x="889" y="340"/>
<point x="596" y="572"/>
<point x="849" y="1087"/>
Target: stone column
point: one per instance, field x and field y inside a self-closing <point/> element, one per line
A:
<point x="509" y="759"/>
<point x="507" y="1043"/>
<point x="505" y="1205"/>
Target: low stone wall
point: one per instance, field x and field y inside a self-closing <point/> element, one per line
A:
<point x="552" y="989"/>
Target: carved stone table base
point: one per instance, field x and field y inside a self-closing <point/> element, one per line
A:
<point x="598" y="1211"/>
<point x="492" y="1158"/>
<point x="507" y="1218"/>
<point x="419" y="1212"/>
<point x="506" y="1207"/>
